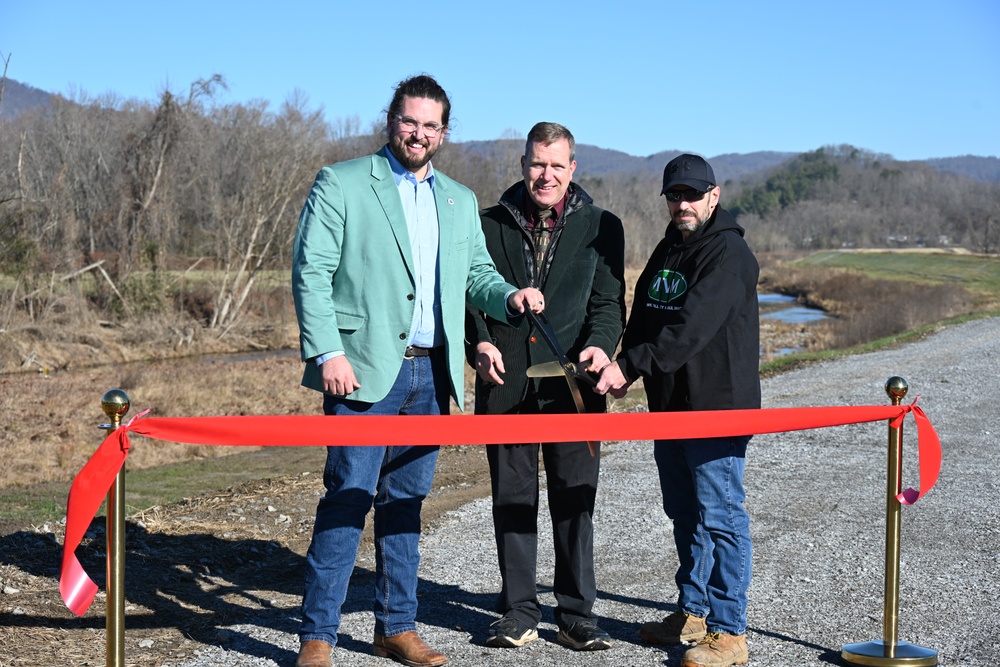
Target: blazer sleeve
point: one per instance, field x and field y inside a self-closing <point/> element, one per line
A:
<point x="486" y="289"/>
<point x="316" y="257"/>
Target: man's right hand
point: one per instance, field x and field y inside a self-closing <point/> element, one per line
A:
<point x="526" y="298"/>
<point x="489" y="363"/>
<point x="338" y="376"/>
<point x="612" y="381"/>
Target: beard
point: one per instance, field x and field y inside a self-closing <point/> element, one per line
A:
<point x="398" y="146"/>
<point x="689" y="222"/>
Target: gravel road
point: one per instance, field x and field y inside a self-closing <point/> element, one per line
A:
<point x="817" y="507"/>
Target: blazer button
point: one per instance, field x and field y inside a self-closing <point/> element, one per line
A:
<point x="409" y="297"/>
<point x="402" y="336"/>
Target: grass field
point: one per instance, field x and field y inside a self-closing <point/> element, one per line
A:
<point x="974" y="272"/>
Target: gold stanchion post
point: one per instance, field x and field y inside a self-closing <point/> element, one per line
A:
<point x="115" y="404"/>
<point x="890" y="652"/>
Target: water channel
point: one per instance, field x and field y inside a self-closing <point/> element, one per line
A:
<point x="779" y="307"/>
<point x="791" y="324"/>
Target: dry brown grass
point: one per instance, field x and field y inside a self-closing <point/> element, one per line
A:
<point x="48" y="419"/>
<point x="50" y="410"/>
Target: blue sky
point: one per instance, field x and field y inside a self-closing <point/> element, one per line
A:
<point x="911" y="78"/>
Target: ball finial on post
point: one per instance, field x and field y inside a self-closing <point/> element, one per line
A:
<point x="115" y="404"/>
<point x="896" y="388"/>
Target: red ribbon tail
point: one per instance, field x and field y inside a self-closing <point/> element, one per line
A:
<point x="929" y="453"/>
<point x="86" y="494"/>
<point x="77" y="589"/>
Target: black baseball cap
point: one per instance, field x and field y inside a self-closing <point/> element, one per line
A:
<point x="690" y="170"/>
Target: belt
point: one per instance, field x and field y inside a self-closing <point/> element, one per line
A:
<point x="414" y="351"/>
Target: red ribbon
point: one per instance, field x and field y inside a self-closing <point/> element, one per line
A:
<point x="92" y="483"/>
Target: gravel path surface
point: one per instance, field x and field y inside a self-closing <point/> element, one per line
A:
<point x="817" y="507"/>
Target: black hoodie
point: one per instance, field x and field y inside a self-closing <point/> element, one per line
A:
<point x="694" y="331"/>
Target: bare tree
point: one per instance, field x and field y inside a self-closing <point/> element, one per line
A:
<point x="146" y="160"/>
<point x="265" y="166"/>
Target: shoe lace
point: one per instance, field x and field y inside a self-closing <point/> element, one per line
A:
<point x="710" y="639"/>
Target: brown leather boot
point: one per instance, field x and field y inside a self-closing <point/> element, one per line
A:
<point x="409" y="649"/>
<point x="717" y="649"/>
<point x="314" y="654"/>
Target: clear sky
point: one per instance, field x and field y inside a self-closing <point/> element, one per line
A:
<point x="912" y="78"/>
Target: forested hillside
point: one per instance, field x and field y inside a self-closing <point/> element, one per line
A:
<point x="847" y="197"/>
<point x="125" y="192"/>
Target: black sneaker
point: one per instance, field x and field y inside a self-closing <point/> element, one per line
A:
<point x="585" y="636"/>
<point x="509" y="632"/>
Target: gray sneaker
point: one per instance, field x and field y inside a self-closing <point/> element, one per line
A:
<point x="508" y="632"/>
<point x="584" y="636"/>
<point x="677" y="628"/>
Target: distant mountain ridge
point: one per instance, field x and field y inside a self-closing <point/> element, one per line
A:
<point x="592" y="161"/>
<point x="986" y="169"/>
<point x="18" y="98"/>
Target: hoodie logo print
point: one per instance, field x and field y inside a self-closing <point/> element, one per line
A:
<point x="666" y="286"/>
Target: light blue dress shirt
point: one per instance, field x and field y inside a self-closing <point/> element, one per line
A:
<point x="420" y="210"/>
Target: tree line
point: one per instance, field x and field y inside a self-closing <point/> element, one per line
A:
<point x="133" y="192"/>
<point x="844" y="197"/>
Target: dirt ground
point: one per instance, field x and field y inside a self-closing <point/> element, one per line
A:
<point x="192" y="567"/>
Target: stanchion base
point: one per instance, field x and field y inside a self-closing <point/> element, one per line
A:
<point x="879" y="654"/>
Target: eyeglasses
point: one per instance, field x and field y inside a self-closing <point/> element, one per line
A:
<point x="408" y="124"/>
<point x="685" y="195"/>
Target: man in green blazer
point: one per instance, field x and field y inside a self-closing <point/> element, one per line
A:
<point x="546" y="232"/>
<point x="386" y="254"/>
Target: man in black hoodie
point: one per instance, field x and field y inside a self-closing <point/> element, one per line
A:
<point x="693" y="337"/>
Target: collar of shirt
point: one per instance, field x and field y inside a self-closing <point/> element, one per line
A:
<point x="399" y="172"/>
<point x="530" y="210"/>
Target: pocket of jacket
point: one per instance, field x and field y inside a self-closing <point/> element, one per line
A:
<point x="350" y="321"/>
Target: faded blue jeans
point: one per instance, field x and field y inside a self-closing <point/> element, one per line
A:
<point x="702" y="485"/>
<point x="393" y="479"/>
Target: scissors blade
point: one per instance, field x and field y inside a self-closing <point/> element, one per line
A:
<point x="548" y="369"/>
<point x="574" y="389"/>
<point x="570" y="370"/>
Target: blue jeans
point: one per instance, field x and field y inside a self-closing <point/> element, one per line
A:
<point x="393" y="479"/>
<point x="702" y="485"/>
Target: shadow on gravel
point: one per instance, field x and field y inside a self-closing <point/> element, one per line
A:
<point x="201" y="584"/>
<point x="197" y="584"/>
<point x="824" y="654"/>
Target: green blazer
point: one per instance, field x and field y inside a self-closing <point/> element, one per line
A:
<point x="352" y="273"/>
